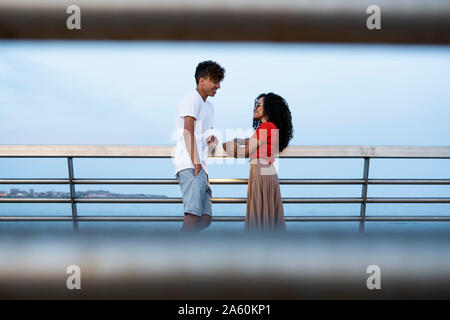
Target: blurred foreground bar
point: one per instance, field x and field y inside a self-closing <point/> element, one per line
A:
<point x="413" y="21"/>
<point x="225" y="265"/>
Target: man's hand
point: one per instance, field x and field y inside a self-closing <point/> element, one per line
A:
<point x="197" y="169"/>
<point x="211" y="141"/>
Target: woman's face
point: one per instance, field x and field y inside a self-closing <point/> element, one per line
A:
<point x="258" y="111"/>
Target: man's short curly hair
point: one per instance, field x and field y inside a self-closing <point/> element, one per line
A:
<point x="209" y="69"/>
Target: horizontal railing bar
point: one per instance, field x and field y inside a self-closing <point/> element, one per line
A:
<point x="408" y="218"/>
<point x="280" y="156"/>
<point x="358" y="218"/>
<point x="343" y="21"/>
<point x="127" y="151"/>
<point x="409" y="200"/>
<point x="155" y="218"/>
<point x="409" y="181"/>
<point x="221" y="218"/>
<point x="226" y="181"/>
<point x="36" y="218"/>
<point x="281" y="181"/>
<point x="226" y="200"/>
<point x="223" y="200"/>
<point x="34" y="181"/>
<point x="229" y="181"/>
<point x="219" y="181"/>
<point x="154" y="181"/>
<point x="34" y="200"/>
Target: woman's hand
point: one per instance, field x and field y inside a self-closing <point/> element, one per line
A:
<point x="230" y="150"/>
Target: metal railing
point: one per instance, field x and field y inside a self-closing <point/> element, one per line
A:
<point x="342" y="21"/>
<point x="364" y="152"/>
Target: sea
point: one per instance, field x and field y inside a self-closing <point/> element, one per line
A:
<point x="56" y="209"/>
<point x="288" y="168"/>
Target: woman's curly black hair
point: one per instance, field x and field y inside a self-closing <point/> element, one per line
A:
<point x="277" y="111"/>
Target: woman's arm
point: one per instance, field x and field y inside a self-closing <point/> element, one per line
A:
<point x="250" y="146"/>
<point x="244" y="150"/>
<point x="241" y="141"/>
<point x="231" y="146"/>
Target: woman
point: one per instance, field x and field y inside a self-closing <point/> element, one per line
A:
<point x="273" y="123"/>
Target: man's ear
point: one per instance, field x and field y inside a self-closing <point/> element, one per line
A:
<point x="202" y="80"/>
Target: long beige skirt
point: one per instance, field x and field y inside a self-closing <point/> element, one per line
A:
<point x="264" y="205"/>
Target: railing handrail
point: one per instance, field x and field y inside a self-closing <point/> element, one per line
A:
<point x="413" y="21"/>
<point x="221" y="181"/>
<point x="164" y="151"/>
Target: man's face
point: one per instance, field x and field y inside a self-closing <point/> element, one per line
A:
<point x="209" y="86"/>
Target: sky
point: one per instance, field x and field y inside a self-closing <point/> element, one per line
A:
<point x="81" y="92"/>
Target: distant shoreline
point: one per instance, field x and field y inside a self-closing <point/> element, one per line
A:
<point x="16" y="193"/>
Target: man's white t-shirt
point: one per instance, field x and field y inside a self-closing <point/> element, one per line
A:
<point x="193" y="105"/>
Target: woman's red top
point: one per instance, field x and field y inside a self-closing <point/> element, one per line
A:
<point x="267" y="132"/>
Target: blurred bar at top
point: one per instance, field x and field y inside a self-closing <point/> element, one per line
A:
<point x="413" y="21"/>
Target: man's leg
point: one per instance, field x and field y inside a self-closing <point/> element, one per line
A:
<point x="195" y="223"/>
<point x="196" y="194"/>
<point x="191" y="222"/>
<point x="205" y="221"/>
<point x="189" y="185"/>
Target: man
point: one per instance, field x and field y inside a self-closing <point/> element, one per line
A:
<point x="194" y="120"/>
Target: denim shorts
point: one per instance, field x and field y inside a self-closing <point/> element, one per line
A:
<point x="196" y="191"/>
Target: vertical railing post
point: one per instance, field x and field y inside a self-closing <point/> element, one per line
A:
<point x="364" y="194"/>
<point x="72" y="194"/>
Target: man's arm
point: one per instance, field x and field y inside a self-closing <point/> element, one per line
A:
<point x="191" y="146"/>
